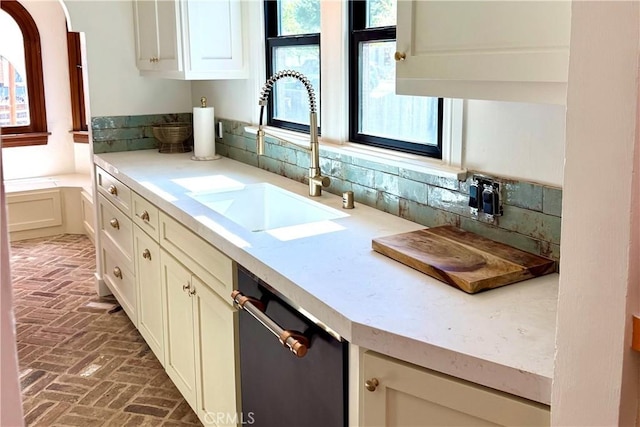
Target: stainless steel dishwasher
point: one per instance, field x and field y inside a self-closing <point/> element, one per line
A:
<point x="293" y="371"/>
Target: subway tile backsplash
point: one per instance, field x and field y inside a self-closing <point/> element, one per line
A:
<point x="129" y="133"/>
<point x="532" y="212"/>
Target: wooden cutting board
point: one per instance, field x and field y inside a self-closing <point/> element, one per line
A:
<point x="462" y="259"/>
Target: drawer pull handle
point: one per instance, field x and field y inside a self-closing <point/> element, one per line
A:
<point x="117" y="272"/>
<point x="371" y="384"/>
<point x="146" y="254"/>
<point x="145" y="216"/>
<point x="114" y="223"/>
<point x="113" y="190"/>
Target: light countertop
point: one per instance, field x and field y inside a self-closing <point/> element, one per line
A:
<point x="503" y="338"/>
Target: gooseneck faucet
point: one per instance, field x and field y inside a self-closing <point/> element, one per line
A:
<point x="316" y="180"/>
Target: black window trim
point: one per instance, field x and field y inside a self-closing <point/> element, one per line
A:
<point x="359" y="33"/>
<point x="273" y="40"/>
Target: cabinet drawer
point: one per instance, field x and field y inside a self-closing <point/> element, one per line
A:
<point x="117" y="228"/>
<point x="145" y="215"/>
<point x="115" y="191"/>
<point x="211" y="265"/>
<point x="120" y="279"/>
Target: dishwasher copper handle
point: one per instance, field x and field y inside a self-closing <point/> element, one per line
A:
<point x="293" y="340"/>
<point x="240" y="299"/>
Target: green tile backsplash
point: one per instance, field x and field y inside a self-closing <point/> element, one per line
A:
<point x="532" y="212"/>
<point x="129" y="133"/>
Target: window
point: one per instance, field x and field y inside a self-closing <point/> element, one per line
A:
<point x="377" y="116"/>
<point x="80" y="128"/>
<point x="292" y="30"/>
<point x="22" y="108"/>
<point x="361" y="112"/>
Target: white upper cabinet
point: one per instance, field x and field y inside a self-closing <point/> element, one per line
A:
<point x="157" y="42"/>
<point x="190" y="39"/>
<point x="497" y="50"/>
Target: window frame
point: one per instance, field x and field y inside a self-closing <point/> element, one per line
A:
<point x="36" y="132"/>
<point x="272" y="41"/>
<point x="80" y="128"/>
<point x="358" y="33"/>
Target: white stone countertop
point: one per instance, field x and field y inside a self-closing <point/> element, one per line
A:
<point x="503" y="338"/>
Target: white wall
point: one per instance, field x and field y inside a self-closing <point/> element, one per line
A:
<point x="57" y="157"/>
<point x="115" y="86"/>
<point x="515" y="140"/>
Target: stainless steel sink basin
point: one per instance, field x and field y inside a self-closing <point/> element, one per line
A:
<point x="263" y="207"/>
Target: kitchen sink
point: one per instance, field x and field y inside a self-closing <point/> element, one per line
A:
<point x="263" y="207"/>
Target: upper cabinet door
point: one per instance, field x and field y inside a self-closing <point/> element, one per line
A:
<point x="155" y="24"/>
<point x="190" y="39"/>
<point x="168" y="49"/>
<point x="483" y="49"/>
<point x="213" y="48"/>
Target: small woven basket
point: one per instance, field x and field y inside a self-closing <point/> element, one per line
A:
<point x="172" y="136"/>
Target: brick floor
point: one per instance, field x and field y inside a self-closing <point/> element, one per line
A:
<point x="82" y="362"/>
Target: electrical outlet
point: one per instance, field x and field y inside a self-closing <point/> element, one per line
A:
<point x="489" y="198"/>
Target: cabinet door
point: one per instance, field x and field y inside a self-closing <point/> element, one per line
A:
<point x="501" y="50"/>
<point x="179" y="361"/>
<point x="217" y="369"/>
<point x="407" y="395"/>
<point x="168" y="30"/>
<point x="155" y="23"/>
<point x="212" y="36"/>
<point x="150" y="319"/>
<point x="146" y="32"/>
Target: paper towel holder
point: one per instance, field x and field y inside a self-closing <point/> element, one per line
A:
<point x="203" y="104"/>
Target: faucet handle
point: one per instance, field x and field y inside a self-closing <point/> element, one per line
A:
<point x="323" y="181"/>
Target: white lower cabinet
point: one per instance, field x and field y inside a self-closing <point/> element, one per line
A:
<point x="395" y="393"/>
<point x="179" y="297"/>
<point x="217" y="370"/>
<point x="179" y="354"/>
<point x="150" y="316"/>
<point x="200" y="344"/>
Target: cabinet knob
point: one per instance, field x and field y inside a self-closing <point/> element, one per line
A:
<point x="114" y="223"/>
<point x="400" y="56"/>
<point x="186" y="287"/>
<point x="117" y="272"/>
<point x="371" y="384"/>
<point x="113" y="190"/>
<point x="146" y="254"/>
<point x="192" y="292"/>
<point x="145" y="216"/>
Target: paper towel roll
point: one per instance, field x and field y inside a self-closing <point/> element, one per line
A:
<point x="204" y="140"/>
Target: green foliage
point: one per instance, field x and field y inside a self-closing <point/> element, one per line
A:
<point x="382" y="13"/>
<point x="299" y="16"/>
